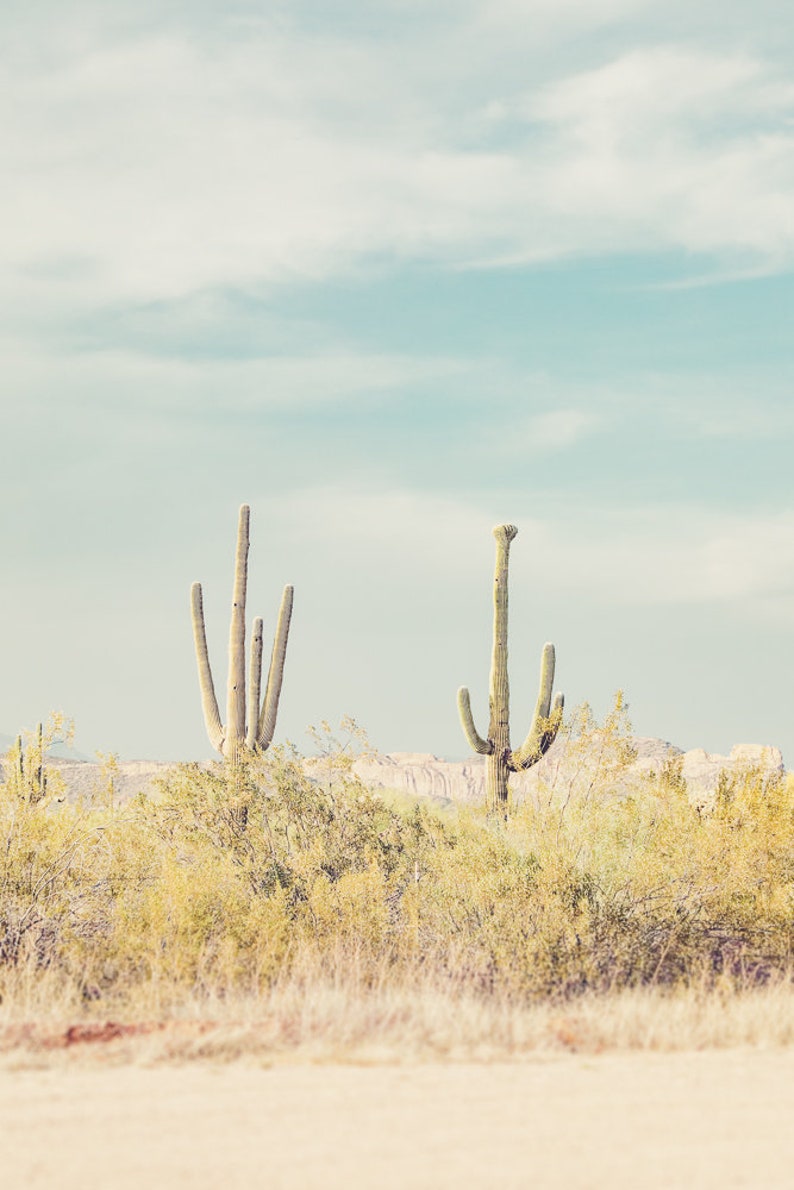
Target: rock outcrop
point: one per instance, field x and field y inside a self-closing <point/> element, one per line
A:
<point x="570" y="768"/>
<point x="102" y="784"/>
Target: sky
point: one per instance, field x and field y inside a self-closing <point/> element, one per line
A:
<point x="393" y="273"/>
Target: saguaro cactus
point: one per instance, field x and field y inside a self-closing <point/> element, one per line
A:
<point x="502" y="760"/>
<point x="28" y="775"/>
<point x="254" y="732"/>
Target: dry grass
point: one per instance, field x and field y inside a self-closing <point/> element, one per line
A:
<point x="279" y="912"/>
<point x="311" y="1021"/>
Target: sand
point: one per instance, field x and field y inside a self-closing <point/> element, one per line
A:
<point x="710" y="1119"/>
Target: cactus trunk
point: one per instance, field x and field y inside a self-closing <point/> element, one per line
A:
<point x="497" y="770"/>
<point x="235" y="692"/>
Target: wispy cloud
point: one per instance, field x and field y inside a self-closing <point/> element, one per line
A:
<point x="153" y="165"/>
<point x="683" y="554"/>
<point x="554" y="429"/>
<point x="177" y="178"/>
<point x="676" y="147"/>
<point x="673" y="555"/>
<point x="751" y="406"/>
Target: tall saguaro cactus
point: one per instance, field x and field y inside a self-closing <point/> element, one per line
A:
<point x="502" y="760"/>
<point x="253" y="732"/>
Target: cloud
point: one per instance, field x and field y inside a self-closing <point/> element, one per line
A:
<point x="676" y="555"/>
<point x="555" y="429"/>
<point x="640" y="557"/>
<point x="133" y="382"/>
<point x="143" y="164"/>
<point x="155" y="165"/>
<point x="749" y="416"/>
<point x="748" y="405"/>
<point x="652" y="86"/>
<point x="411" y="531"/>
<point x="674" y="147"/>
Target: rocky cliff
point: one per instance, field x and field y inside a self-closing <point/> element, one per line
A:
<point x="570" y="768"/>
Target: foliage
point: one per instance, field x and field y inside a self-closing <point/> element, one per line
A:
<point x="242" y="874"/>
<point x="27" y="778"/>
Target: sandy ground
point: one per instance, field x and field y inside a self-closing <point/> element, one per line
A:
<point x="713" y="1119"/>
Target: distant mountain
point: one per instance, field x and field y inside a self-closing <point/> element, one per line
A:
<point x="557" y="776"/>
<point x="58" y="751"/>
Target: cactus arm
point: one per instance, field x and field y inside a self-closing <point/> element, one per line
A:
<point x="235" y="712"/>
<point x="476" y="742"/>
<point x="545" y="722"/>
<point x="555" y="720"/>
<point x="40" y="777"/>
<point x="275" y="674"/>
<point x="255" y="680"/>
<point x="212" y="716"/>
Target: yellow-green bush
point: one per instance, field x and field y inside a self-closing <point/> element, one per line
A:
<point x="237" y="876"/>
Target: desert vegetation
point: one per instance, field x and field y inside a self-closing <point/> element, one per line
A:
<point x="273" y="902"/>
<point x="280" y="895"/>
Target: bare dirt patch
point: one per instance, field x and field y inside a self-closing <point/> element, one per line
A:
<point x="713" y="1119"/>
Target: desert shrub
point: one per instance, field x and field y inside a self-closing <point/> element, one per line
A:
<point x="238" y="876"/>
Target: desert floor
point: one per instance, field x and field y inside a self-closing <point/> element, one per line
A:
<point x="708" y="1119"/>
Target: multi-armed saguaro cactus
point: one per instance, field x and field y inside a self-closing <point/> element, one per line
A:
<point x="502" y="760"/>
<point x="254" y="732"/>
<point x="27" y="775"/>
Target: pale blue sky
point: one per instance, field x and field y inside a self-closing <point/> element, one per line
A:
<point x="392" y="273"/>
